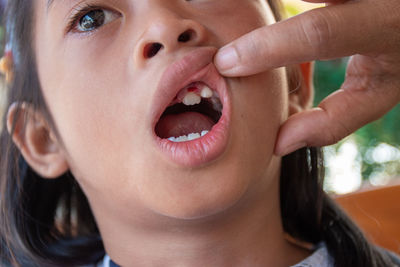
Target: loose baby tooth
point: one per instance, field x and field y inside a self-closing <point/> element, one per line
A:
<point x="193" y="136"/>
<point x="206" y="92"/>
<point x="203" y="133"/>
<point x="191" y="98"/>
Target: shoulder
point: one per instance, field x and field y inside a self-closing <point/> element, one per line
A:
<point x="393" y="257"/>
<point x="104" y="262"/>
<point x="322" y="258"/>
<point x="319" y="258"/>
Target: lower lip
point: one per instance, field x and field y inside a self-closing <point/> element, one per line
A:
<point x="203" y="150"/>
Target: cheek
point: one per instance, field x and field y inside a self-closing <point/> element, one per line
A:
<point x="260" y="108"/>
<point x="96" y="114"/>
<point x="248" y="15"/>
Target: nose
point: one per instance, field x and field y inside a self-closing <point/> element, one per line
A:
<point x="167" y="32"/>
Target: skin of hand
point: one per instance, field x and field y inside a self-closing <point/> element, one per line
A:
<point x="366" y="30"/>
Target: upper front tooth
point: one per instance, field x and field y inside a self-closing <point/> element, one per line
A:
<point x="206" y="92"/>
<point x="191" y="98"/>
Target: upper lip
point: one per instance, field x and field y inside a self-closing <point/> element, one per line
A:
<point x="179" y="74"/>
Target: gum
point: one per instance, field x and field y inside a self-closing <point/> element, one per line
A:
<point x="195" y="87"/>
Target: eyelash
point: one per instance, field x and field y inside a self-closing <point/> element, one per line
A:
<point x="79" y="12"/>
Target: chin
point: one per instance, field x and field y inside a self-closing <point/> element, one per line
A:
<point x="194" y="209"/>
<point x="197" y="193"/>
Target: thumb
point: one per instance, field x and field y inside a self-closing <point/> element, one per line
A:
<point x="245" y="55"/>
<point x="337" y="116"/>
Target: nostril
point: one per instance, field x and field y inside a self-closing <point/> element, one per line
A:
<point x="185" y="36"/>
<point x="152" y="49"/>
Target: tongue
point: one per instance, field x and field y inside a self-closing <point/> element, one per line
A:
<point x="183" y="124"/>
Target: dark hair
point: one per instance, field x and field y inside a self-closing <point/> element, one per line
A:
<point x="42" y="222"/>
<point x="49" y="222"/>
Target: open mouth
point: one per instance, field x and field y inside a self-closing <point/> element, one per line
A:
<point x="191" y="110"/>
<point x="191" y="114"/>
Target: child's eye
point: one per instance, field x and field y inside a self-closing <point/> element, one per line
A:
<point x="90" y="20"/>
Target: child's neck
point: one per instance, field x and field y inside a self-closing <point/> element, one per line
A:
<point x="249" y="234"/>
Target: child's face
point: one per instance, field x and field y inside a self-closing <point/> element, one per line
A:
<point x="104" y="91"/>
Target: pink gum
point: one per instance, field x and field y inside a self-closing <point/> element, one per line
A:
<point x="182" y="93"/>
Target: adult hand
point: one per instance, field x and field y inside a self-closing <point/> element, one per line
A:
<point x="367" y="29"/>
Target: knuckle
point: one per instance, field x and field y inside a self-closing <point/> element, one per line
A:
<point x="332" y="138"/>
<point x="390" y="13"/>
<point x="253" y="46"/>
<point x="340" y="131"/>
<point x="337" y="126"/>
<point x="391" y="32"/>
<point x="317" y="30"/>
<point x="335" y="131"/>
<point x="257" y="45"/>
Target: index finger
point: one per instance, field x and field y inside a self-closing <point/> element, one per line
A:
<point x="323" y="33"/>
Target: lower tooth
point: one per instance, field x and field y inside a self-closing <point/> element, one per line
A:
<point x="193" y="136"/>
<point x="189" y="137"/>
<point x="182" y="138"/>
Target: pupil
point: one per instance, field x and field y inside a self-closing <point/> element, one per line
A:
<point x="92" y="20"/>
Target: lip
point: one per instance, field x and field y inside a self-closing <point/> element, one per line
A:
<point x="195" y="66"/>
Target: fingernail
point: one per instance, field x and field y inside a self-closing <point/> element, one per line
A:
<point x="293" y="148"/>
<point x="226" y="58"/>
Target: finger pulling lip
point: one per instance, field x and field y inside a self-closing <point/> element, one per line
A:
<point x="196" y="66"/>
